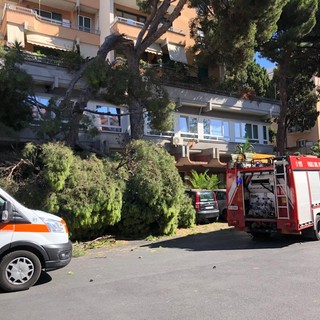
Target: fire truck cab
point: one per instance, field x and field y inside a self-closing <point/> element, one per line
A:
<point x="275" y="195"/>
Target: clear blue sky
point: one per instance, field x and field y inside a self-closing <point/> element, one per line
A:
<point x="264" y="62"/>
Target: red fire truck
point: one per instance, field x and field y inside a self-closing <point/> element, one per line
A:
<point x="276" y="195"/>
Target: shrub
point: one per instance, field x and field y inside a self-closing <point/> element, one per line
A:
<point x="203" y="180"/>
<point x="85" y="191"/>
<point x="154" y="197"/>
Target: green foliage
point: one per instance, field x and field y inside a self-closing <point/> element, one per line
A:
<point x="86" y="192"/>
<point x="302" y="103"/>
<point x="154" y="197"/>
<point x="203" y="180"/>
<point x="186" y="218"/>
<point x="160" y="108"/>
<point x="72" y="60"/>
<point x="294" y="47"/>
<point x="15" y="86"/>
<point x="91" y="200"/>
<point x="315" y="149"/>
<point x="143" y="189"/>
<point x="53" y="122"/>
<point x="253" y="76"/>
<point x="57" y="160"/>
<point x="246" y="24"/>
<point x="245" y="147"/>
<point x="144" y="5"/>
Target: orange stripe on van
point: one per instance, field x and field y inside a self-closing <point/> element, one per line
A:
<point x="30" y="227"/>
<point x="6" y="227"/>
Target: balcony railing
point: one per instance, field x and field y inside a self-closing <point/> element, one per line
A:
<point x="33" y="57"/>
<point x="141" y="24"/>
<point x="64" y="23"/>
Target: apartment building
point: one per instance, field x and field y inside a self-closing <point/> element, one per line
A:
<point x="302" y="141"/>
<point x="208" y="125"/>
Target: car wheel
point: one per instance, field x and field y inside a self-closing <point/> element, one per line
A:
<point x="19" y="270"/>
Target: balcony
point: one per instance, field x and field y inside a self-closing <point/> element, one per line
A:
<point x="132" y="28"/>
<point x="20" y="23"/>
<point x="90" y="6"/>
<point x="19" y="13"/>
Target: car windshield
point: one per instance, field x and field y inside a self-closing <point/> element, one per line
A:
<point x="206" y="196"/>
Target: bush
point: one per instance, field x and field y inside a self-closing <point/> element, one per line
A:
<point x="140" y="192"/>
<point x="85" y="191"/>
<point x="154" y="201"/>
<point x="203" y="180"/>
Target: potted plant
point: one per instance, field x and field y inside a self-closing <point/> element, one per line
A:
<point x="245" y="149"/>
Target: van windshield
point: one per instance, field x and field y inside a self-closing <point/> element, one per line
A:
<point x="18" y="206"/>
<point x="206" y="196"/>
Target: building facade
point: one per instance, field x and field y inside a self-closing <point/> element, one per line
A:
<point x="302" y="141"/>
<point x="207" y="125"/>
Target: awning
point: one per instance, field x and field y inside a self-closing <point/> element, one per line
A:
<point x="15" y="33"/>
<point x="88" y="50"/>
<point x="155" y="49"/>
<point x="177" y="53"/>
<point x="50" y="42"/>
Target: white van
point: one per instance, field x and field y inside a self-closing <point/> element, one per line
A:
<point x="30" y="241"/>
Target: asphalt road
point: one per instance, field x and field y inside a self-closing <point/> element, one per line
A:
<point x="217" y="275"/>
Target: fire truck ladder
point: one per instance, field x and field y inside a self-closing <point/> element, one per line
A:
<point x="281" y="194"/>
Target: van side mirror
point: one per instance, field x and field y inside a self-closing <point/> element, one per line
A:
<point x="7" y="212"/>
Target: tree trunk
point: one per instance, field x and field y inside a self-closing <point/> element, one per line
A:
<point x="136" y="107"/>
<point x="72" y="138"/>
<point x="281" y="132"/>
<point x="109" y="44"/>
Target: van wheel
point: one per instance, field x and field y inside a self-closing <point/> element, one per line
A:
<point x="19" y="270"/>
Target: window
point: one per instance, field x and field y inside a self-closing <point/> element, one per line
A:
<point x="150" y="131"/>
<point x="188" y="126"/>
<point x="265" y="134"/>
<point x="84" y="23"/>
<point x="221" y="195"/>
<point x="2" y="202"/>
<point x="130" y="16"/>
<point x="51" y="16"/>
<point x="246" y="130"/>
<point x="301" y="143"/>
<point x="37" y="112"/>
<point x="47" y="110"/>
<point x="214" y="128"/>
<point x="110" y="122"/>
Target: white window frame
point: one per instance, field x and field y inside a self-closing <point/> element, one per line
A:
<point x="108" y="126"/>
<point x="301" y="143"/>
<point x="152" y="132"/>
<point x="224" y="129"/>
<point x="82" y="26"/>
<point x="241" y="134"/>
<point x="265" y="134"/>
<point x="188" y="132"/>
<point x="50" y="13"/>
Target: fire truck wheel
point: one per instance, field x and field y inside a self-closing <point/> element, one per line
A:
<point x="317" y="228"/>
<point x="19" y="270"/>
<point x="224" y="215"/>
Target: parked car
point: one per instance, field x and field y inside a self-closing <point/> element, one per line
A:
<point x="221" y="196"/>
<point x="205" y="204"/>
